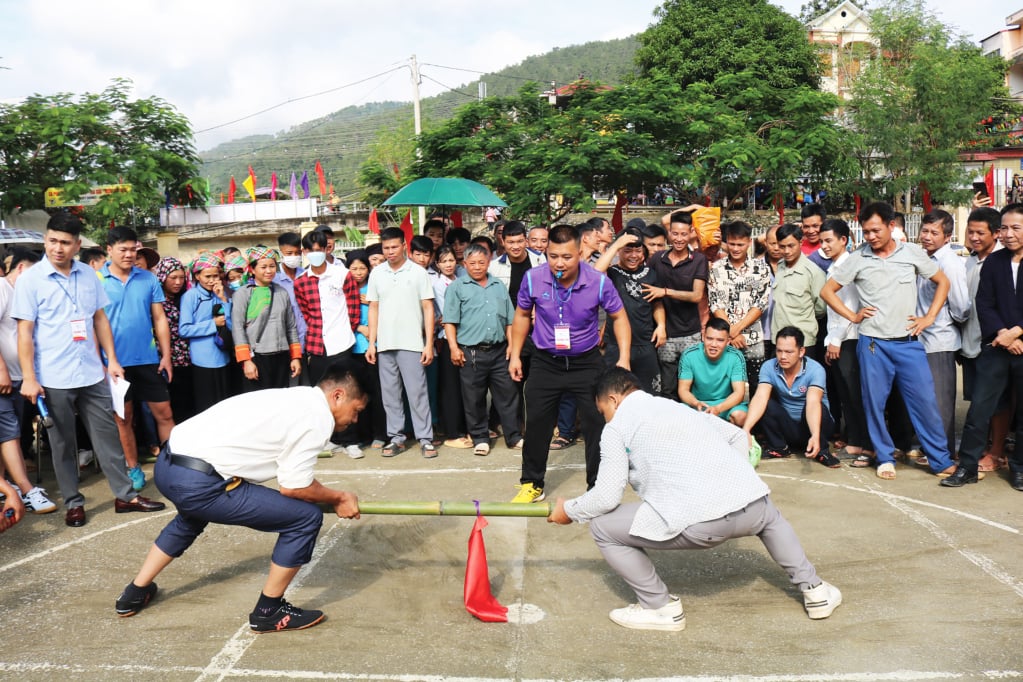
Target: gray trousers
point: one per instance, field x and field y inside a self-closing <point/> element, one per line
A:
<point x="943" y="369"/>
<point x="402" y="368"/>
<point x="94" y="407"/>
<point x="489" y="369"/>
<point x="626" y="553"/>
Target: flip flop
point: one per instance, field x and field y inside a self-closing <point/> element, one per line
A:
<point x="886" y="471"/>
<point x="560" y="443"/>
<point x="862" y="462"/>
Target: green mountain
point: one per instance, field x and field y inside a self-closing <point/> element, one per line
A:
<point x="341" y="141"/>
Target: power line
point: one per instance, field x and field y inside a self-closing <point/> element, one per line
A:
<point x="299" y="99"/>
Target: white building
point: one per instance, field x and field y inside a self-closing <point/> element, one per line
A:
<point x="1008" y="44"/>
<point x="844" y="40"/>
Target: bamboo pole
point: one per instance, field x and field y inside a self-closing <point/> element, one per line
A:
<point x="441" y="508"/>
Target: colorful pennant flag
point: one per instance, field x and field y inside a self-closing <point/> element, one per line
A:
<point x="231" y="189"/>
<point x="322" y="179"/>
<point x="456" y="219"/>
<point x="374" y="222"/>
<point x="273" y="186"/>
<point x="616" y="218"/>
<point x="305" y="184"/>
<point x="293" y="187"/>
<point x="406" y="227"/>
<point x="989" y="181"/>
<point x="249" y="184"/>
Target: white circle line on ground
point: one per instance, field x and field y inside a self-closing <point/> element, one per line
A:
<point x="898" y="675"/>
<point x="224" y="660"/>
<point x="84" y="538"/>
<point x="900" y="498"/>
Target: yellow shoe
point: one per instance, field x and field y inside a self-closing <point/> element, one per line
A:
<point x="528" y="493"/>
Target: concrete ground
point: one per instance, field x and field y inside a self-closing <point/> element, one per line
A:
<point x="932" y="580"/>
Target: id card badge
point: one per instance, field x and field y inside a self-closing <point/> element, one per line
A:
<point x="562" y="337"/>
<point x="78" y="332"/>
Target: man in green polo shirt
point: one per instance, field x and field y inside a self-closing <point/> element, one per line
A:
<point x="477" y="321"/>
<point x="797" y="288"/>
<point x="712" y="375"/>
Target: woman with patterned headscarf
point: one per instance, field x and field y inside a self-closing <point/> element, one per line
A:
<point x="265" y="333"/>
<point x="171" y="273"/>
<point x="205" y="309"/>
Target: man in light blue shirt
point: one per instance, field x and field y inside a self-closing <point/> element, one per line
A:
<point x="59" y="307"/>
<point x="791" y="402"/>
<point x="697" y="490"/>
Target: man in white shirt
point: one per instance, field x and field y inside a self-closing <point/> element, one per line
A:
<point x="11" y="402"/>
<point x="840" y="348"/>
<point x="697" y="488"/>
<point x="211" y="469"/>
<point x="942" y="339"/>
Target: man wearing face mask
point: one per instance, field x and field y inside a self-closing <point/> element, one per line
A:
<point x="290" y="246"/>
<point x="328" y="297"/>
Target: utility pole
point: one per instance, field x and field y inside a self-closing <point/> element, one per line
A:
<point x="417" y="113"/>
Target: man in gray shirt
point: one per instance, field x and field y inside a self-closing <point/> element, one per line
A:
<point x="885" y="273"/>
<point x="697" y="488"/>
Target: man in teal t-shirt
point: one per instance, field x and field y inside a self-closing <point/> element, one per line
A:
<point x="712" y="375"/>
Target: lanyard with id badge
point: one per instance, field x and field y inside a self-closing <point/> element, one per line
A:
<point x="79" y="331"/>
<point x="562" y="331"/>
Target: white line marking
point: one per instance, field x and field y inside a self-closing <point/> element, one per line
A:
<point x="900" y="498"/>
<point x="84" y="538"/>
<point x="223" y="662"/>
<point x="908" y="675"/>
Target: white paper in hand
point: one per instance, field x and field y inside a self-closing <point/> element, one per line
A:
<point x="118" y="389"/>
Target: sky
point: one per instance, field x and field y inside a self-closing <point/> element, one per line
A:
<point x="218" y="61"/>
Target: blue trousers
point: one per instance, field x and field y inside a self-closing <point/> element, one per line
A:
<point x="202" y="499"/>
<point x="903" y="363"/>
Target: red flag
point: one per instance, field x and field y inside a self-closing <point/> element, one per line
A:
<point x="406" y="227"/>
<point x="231" y="189"/>
<point x="989" y="182"/>
<point x="616" y="218"/>
<point x="856" y="198"/>
<point x="779" y="205"/>
<point x="456" y="219"/>
<point x="479" y="601"/>
<point x="273" y="186"/>
<point x="374" y="222"/>
<point x="928" y="206"/>
<point x="323" y="181"/>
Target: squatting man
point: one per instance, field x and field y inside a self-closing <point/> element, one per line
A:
<point x="691" y="471"/>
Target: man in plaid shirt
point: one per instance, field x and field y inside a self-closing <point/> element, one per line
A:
<point x="328" y="297"/>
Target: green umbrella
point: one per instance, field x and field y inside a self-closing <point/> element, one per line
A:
<point x="444" y="192"/>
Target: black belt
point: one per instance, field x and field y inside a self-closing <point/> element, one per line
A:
<point x="483" y="347"/>
<point x="897" y="339"/>
<point x="193" y="464"/>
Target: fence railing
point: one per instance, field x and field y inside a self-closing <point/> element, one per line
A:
<point x="239" y="213"/>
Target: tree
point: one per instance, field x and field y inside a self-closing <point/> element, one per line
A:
<point x="918" y="103"/>
<point x="751" y="78"/>
<point x="75" y="143"/>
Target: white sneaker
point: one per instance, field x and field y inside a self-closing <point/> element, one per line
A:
<point x="37" y="502"/>
<point x="355" y="452"/>
<point x="85" y="458"/>
<point x="668" y="617"/>
<point x="820" y="601"/>
<point x="481" y="449"/>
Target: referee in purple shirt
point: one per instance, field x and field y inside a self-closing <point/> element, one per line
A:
<point x="562" y="297"/>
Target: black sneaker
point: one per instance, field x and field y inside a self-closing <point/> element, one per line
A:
<point x="129" y="607"/>
<point x="775" y="453"/>
<point x="286" y="617"/>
